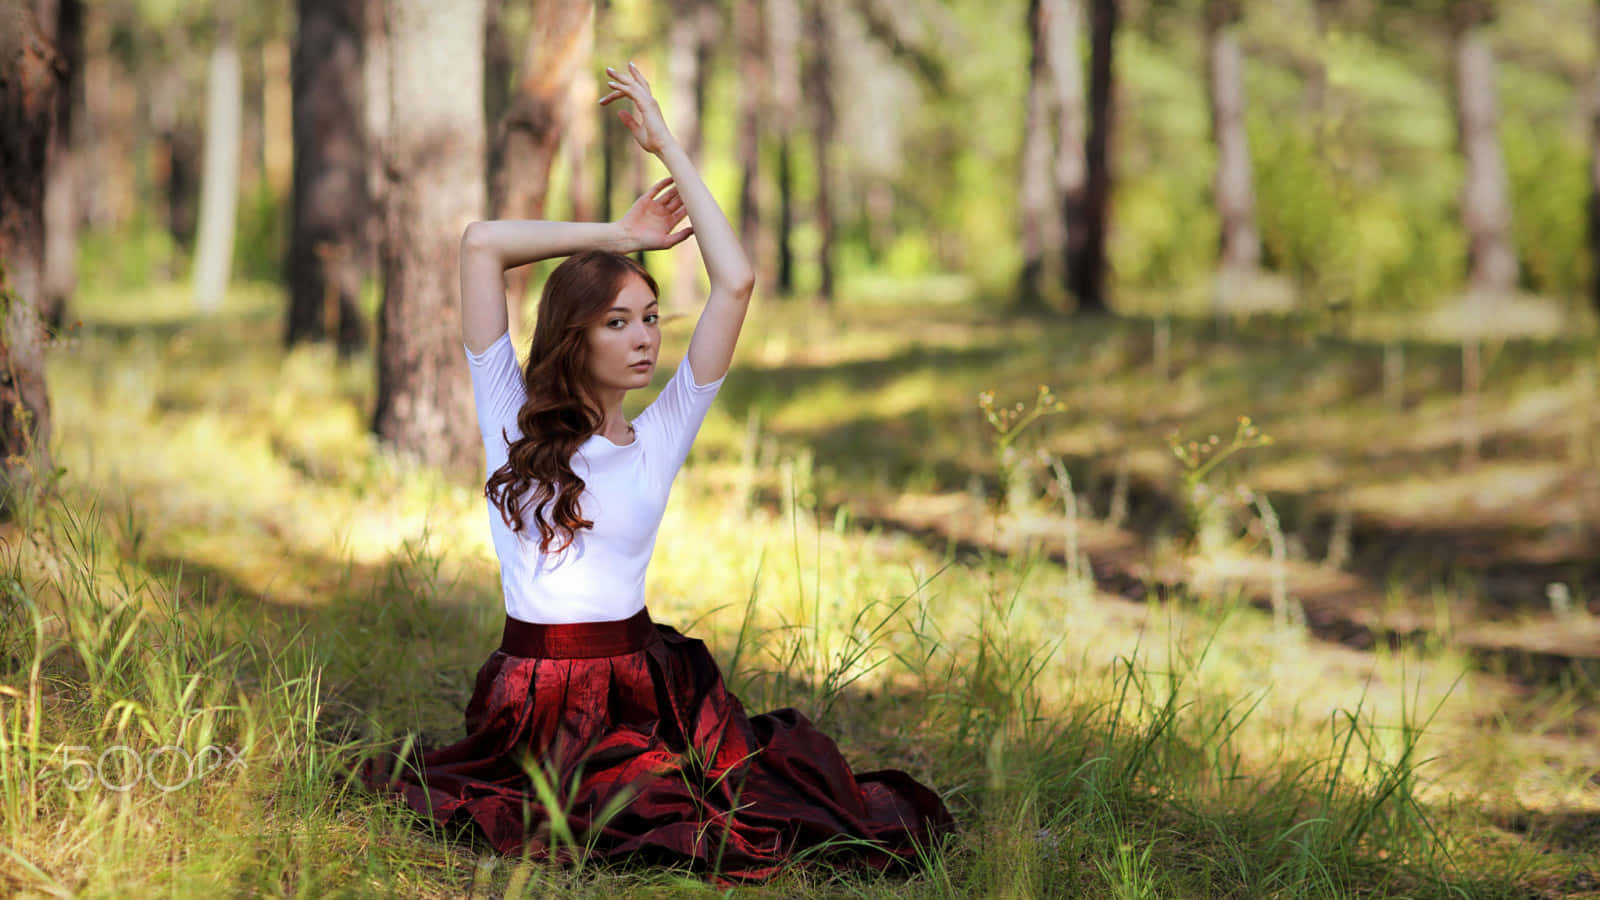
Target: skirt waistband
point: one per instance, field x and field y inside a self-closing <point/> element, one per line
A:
<point x="580" y="640"/>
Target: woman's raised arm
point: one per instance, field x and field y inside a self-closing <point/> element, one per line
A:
<point x="732" y="279"/>
<point x="489" y="248"/>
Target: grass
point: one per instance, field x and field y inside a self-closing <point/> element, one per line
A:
<point x="232" y="563"/>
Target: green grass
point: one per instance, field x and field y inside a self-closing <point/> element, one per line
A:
<point x="233" y="562"/>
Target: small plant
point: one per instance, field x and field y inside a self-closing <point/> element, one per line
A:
<point x="1009" y="422"/>
<point x="1205" y="505"/>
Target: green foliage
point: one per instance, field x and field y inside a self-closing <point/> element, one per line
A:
<point x="1549" y="174"/>
<point x="261" y="236"/>
<point x="141" y="253"/>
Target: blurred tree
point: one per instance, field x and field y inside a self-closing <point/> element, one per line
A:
<point x="692" y="30"/>
<point x="1485" y="194"/>
<point x="528" y="136"/>
<point x="30" y="77"/>
<point x="817" y="78"/>
<point x="1240" y="251"/>
<point x="1051" y="188"/>
<point x="750" y="36"/>
<point x="61" y="23"/>
<point x="1086" y="261"/>
<point x="219" y="183"/>
<point x="330" y="205"/>
<point x="783" y="36"/>
<point x="434" y="154"/>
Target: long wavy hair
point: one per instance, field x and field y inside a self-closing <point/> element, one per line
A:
<point x="561" y="410"/>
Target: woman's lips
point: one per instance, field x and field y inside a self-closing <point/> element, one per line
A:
<point x="641" y="366"/>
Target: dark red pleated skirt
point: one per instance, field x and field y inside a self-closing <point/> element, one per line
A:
<point x="647" y="756"/>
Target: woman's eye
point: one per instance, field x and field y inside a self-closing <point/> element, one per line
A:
<point x="615" y="323"/>
<point x="652" y="318"/>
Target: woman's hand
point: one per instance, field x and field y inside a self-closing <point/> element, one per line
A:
<point x="649" y="222"/>
<point x="648" y="126"/>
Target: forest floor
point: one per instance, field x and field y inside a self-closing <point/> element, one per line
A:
<point x="1402" y="570"/>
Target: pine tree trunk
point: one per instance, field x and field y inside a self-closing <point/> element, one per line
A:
<point x="1485" y="195"/>
<point x="29" y="82"/>
<point x="818" y="80"/>
<point x="1086" y="263"/>
<point x="435" y="157"/>
<point x="330" y="206"/>
<point x="1240" y="251"/>
<point x="1062" y="31"/>
<point x="62" y="24"/>
<point x="750" y="34"/>
<point x="219" y="181"/>
<point x="1037" y="201"/>
<point x="783" y="36"/>
<point x="686" y="75"/>
<point x="529" y="135"/>
<point x="584" y="117"/>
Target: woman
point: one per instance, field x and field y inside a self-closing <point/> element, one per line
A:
<point x="588" y="707"/>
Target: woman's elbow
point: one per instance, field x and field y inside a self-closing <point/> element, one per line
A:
<point x="476" y="240"/>
<point x="742" y="282"/>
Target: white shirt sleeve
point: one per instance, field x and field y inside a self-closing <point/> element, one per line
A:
<point x="673" y="419"/>
<point x="498" y="392"/>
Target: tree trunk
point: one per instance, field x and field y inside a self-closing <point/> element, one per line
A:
<point x="818" y="80"/>
<point x="783" y="35"/>
<point x="219" y="181"/>
<point x="686" y="75"/>
<point x="330" y="205"/>
<point x="435" y="157"/>
<point x="1485" y="195"/>
<point x="30" y="77"/>
<point x="584" y="117"/>
<point x="1037" y="203"/>
<point x="61" y="21"/>
<point x="1240" y="251"/>
<point x="1086" y="262"/>
<point x="749" y="33"/>
<point x="529" y="135"/>
<point x="1061" y="34"/>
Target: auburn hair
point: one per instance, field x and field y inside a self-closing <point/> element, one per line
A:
<point x="561" y="410"/>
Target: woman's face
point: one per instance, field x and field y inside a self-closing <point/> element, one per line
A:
<point x="623" y="345"/>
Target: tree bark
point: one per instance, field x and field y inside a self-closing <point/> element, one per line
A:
<point x="330" y="204"/>
<point x="783" y="35"/>
<point x="1040" y="228"/>
<point x="818" y="79"/>
<point x="687" y="40"/>
<point x="219" y="181"/>
<point x="1086" y="260"/>
<point x="529" y="135"/>
<point x="435" y="157"/>
<point x="1486" y="194"/>
<point x="750" y="35"/>
<point x="61" y="21"/>
<point x="30" y="77"/>
<point x="1062" y="32"/>
<point x="1240" y="250"/>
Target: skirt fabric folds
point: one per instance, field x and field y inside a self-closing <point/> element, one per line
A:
<point x="648" y="756"/>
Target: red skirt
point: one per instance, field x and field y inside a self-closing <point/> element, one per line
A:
<point x="647" y="756"/>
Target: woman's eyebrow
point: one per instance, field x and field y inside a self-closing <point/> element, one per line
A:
<point x="626" y="309"/>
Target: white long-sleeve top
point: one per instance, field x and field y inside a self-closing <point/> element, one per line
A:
<point x="600" y="576"/>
